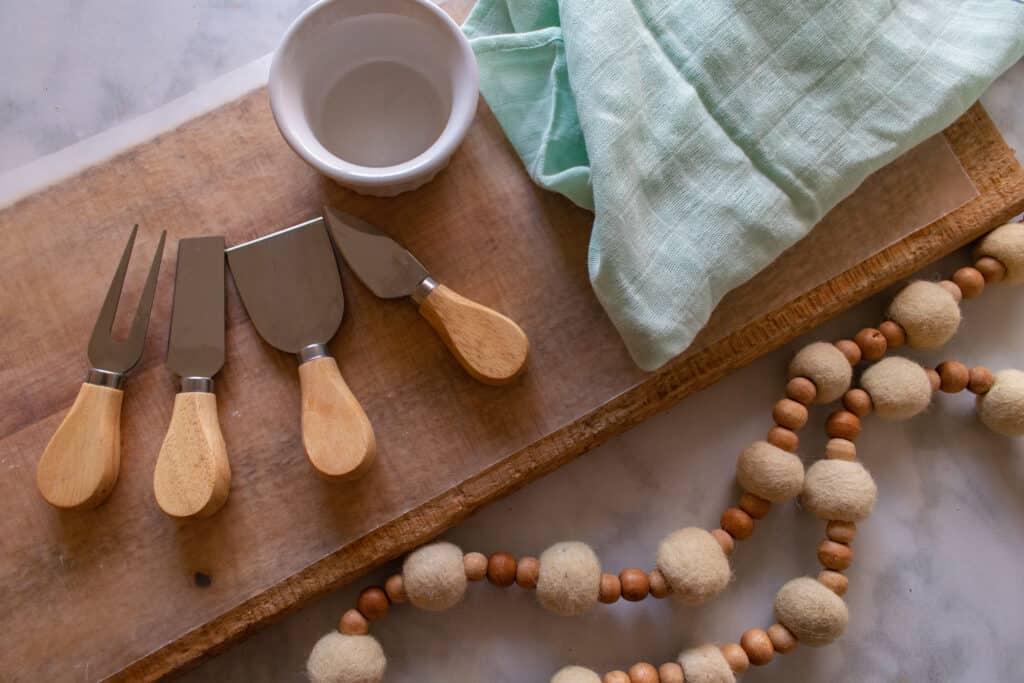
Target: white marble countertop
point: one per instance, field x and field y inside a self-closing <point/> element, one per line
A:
<point x="935" y="592"/>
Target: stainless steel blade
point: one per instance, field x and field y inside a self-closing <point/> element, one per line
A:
<point x="195" y="347"/>
<point x="290" y="285"/>
<point x="383" y="265"/>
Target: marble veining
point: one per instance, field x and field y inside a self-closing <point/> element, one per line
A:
<point x="934" y="588"/>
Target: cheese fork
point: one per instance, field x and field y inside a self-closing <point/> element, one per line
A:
<point x="79" y="467"/>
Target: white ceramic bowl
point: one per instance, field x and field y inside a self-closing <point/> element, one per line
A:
<point x="376" y="94"/>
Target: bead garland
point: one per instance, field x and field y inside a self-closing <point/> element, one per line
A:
<point x="692" y="564"/>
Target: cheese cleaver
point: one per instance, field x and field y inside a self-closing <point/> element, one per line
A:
<point x="290" y="286"/>
<point x="490" y="347"/>
<point x="192" y="475"/>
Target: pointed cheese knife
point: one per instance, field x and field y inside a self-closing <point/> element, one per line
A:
<point x="490" y="347"/>
<point x="192" y="474"/>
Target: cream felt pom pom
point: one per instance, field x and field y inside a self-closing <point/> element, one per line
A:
<point x="813" y="613"/>
<point x="1001" y="408"/>
<point x="705" y="664"/>
<point x="826" y="366"/>
<point x="927" y="312"/>
<point x="694" y="565"/>
<point x="899" y="388"/>
<point x="337" y="658"/>
<point x="770" y="472"/>
<point x="575" y="674"/>
<point x="839" y="489"/>
<point x="569" y="579"/>
<point x="1006" y="245"/>
<point x="435" y="576"/>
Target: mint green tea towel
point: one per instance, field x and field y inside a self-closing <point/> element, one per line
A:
<point x="710" y="135"/>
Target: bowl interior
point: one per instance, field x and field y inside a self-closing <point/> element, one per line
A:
<point x="369" y="87"/>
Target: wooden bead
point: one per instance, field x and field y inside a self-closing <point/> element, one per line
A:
<point x="783" y="438"/>
<point x="801" y="389"/>
<point x="758" y="646"/>
<point x="616" y="677"/>
<point x="832" y="555"/>
<point x="970" y="281"/>
<point x="659" y="586"/>
<point x="953" y="376"/>
<point x="783" y="641"/>
<point x="527" y="572"/>
<point x="843" y="424"/>
<point x="850" y="350"/>
<point x="981" y="380"/>
<point x="790" y="414"/>
<point x="353" y="623"/>
<point x="501" y="569"/>
<point x="738" y="523"/>
<point x="841" y="532"/>
<point x="737" y="658"/>
<point x="834" y="581"/>
<point x="671" y="672"/>
<point x="933" y="379"/>
<point x="755" y="506"/>
<point x="872" y="344"/>
<point x="395" y="588"/>
<point x="895" y="335"/>
<point x="643" y="672"/>
<point x="840" y="449"/>
<point x="610" y="590"/>
<point x="725" y="540"/>
<point x="475" y="565"/>
<point x="953" y="289"/>
<point x="858" y="402"/>
<point x="373" y="603"/>
<point x="990" y="268"/>
<point x="635" y="584"/>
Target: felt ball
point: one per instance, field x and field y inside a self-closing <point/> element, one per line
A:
<point x="899" y="388"/>
<point x="770" y="472"/>
<point x="435" y="576"/>
<point x="826" y="366"/>
<point x="570" y="578"/>
<point x="1001" y="408"/>
<point x="705" y="664"/>
<point x="812" y="612"/>
<point x="694" y="565"/>
<point x="338" y="658"/>
<point x="1006" y="245"/>
<point x="927" y="312"/>
<point x="575" y="674"/>
<point x="839" y="489"/>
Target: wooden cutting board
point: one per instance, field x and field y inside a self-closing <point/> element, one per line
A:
<point x="127" y="593"/>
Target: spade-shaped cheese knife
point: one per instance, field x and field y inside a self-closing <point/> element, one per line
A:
<point x="192" y="474"/>
<point x="490" y="347"/>
<point x="79" y="467"/>
<point x="291" y="288"/>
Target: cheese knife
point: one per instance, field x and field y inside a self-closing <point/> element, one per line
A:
<point x="490" y="347"/>
<point x="192" y="474"/>
<point x="291" y="288"/>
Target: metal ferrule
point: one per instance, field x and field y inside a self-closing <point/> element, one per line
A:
<point x="423" y="289"/>
<point x="312" y="352"/>
<point x="203" y="385"/>
<point x="105" y="378"/>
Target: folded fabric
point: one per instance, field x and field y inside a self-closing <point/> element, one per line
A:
<point x="709" y="136"/>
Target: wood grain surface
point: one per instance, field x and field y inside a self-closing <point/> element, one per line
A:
<point x="125" y="592"/>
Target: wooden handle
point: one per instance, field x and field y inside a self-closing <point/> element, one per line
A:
<point x="192" y="474"/>
<point x="80" y="464"/>
<point x="491" y="348"/>
<point x="337" y="434"/>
